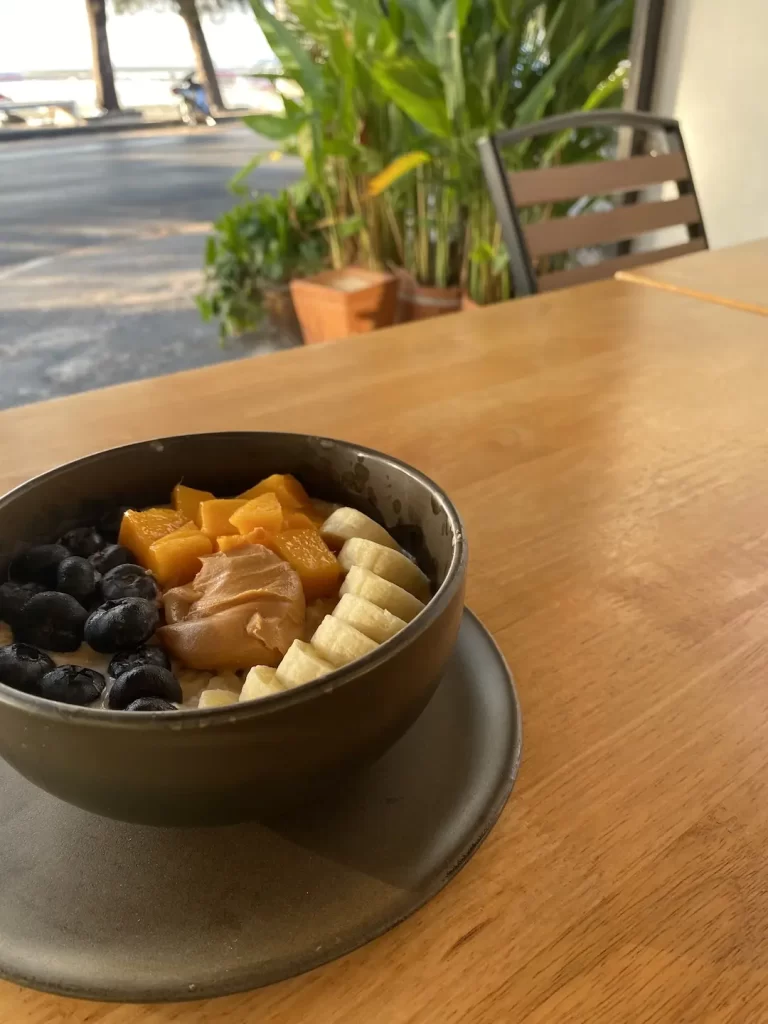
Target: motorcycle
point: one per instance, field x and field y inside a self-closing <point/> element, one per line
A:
<point x="193" y="103"/>
<point x="7" y="117"/>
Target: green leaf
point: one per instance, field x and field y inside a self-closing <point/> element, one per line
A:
<point x="292" y="108"/>
<point x="312" y="15"/>
<point x="236" y="181"/>
<point x="616" y="18"/>
<point x="274" y="126"/>
<point x="416" y="88"/>
<point x="500" y="260"/>
<point x="502" y="15"/>
<point x="205" y="307"/>
<point x="419" y="18"/>
<point x="604" y="90"/>
<point x="285" y="42"/>
<point x="341" y="147"/>
<point x="350" y="227"/>
<point x="448" y="57"/>
<point x="533" y="107"/>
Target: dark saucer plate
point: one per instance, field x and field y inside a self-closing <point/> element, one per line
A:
<point x="100" y="909"/>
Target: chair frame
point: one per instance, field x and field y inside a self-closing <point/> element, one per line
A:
<point x="497" y="176"/>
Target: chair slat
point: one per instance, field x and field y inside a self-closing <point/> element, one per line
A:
<point x="607" y="268"/>
<point x="617" y="225"/>
<point x="556" y="184"/>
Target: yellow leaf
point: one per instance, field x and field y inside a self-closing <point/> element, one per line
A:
<point x="400" y="166"/>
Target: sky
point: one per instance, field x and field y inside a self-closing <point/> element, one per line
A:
<point x="136" y="40"/>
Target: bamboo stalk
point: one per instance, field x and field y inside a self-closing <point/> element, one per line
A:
<point x="422" y="227"/>
<point x="365" y="236"/>
<point x="337" y="255"/>
<point x="394" y="228"/>
<point x="441" y="255"/>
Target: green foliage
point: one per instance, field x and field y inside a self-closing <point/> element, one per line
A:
<point x="262" y="242"/>
<point x="372" y="82"/>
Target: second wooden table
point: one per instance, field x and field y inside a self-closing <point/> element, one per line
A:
<point x="736" y="277"/>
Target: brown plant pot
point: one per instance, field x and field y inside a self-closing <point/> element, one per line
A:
<point x="419" y="302"/>
<point x="337" y="303"/>
<point x="467" y="303"/>
<point x="281" y="312"/>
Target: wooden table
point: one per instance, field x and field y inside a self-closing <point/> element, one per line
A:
<point x="736" y="276"/>
<point x="608" y="448"/>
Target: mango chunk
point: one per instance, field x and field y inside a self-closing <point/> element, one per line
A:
<point x="316" y="565"/>
<point x="265" y="511"/>
<point x="187" y="501"/>
<point x="215" y="515"/>
<point x="298" y="521"/>
<point x="229" y="542"/>
<point x="289" y="491"/>
<point x="175" y="559"/>
<point x="140" y="530"/>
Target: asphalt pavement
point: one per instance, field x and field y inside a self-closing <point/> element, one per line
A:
<point x="101" y="248"/>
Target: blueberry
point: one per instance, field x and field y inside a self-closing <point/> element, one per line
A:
<point x="129" y="581"/>
<point x="22" y="667"/>
<point x="151" y="655"/>
<point x="121" y="625"/>
<point x="78" y="578"/>
<point x="110" y="557"/>
<point x="38" y="564"/>
<point x="52" y="621"/>
<point x="151" y="704"/>
<point x="71" y="684"/>
<point x="143" y="681"/>
<point x="13" y="598"/>
<point x="83" y="541"/>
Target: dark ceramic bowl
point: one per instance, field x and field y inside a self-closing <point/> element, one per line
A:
<point x="235" y="763"/>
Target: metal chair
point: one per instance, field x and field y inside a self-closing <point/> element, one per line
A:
<point x="512" y="191"/>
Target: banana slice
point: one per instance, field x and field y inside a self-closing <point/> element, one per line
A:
<point x="340" y="643"/>
<point x="346" y="523"/>
<point x="389" y="564"/>
<point x="217" y="698"/>
<point x="301" y="664"/>
<point x="261" y="681"/>
<point x="381" y="592"/>
<point x="368" y="618"/>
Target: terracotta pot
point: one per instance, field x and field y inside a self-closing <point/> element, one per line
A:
<point x="281" y="312"/>
<point x="467" y="303"/>
<point x="337" y="303"/>
<point x="419" y="302"/>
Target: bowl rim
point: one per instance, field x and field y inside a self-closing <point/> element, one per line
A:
<point x="194" y="718"/>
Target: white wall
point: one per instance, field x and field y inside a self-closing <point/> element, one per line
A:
<point x="712" y="75"/>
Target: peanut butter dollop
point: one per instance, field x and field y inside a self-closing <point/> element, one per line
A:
<point x="245" y="607"/>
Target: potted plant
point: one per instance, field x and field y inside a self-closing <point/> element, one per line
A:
<point x="256" y="249"/>
<point x="331" y="122"/>
<point x="336" y="303"/>
<point x="466" y="70"/>
<point x="386" y="104"/>
<point x="435" y="230"/>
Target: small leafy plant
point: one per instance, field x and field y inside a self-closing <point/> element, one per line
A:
<point x="256" y="248"/>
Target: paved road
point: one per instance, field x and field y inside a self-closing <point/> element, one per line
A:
<point x="100" y="253"/>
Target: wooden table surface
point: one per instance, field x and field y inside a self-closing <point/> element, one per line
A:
<point x="608" y="448"/>
<point x="736" y="276"/>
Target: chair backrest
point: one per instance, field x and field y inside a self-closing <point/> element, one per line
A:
<point x="513" y="191"/>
